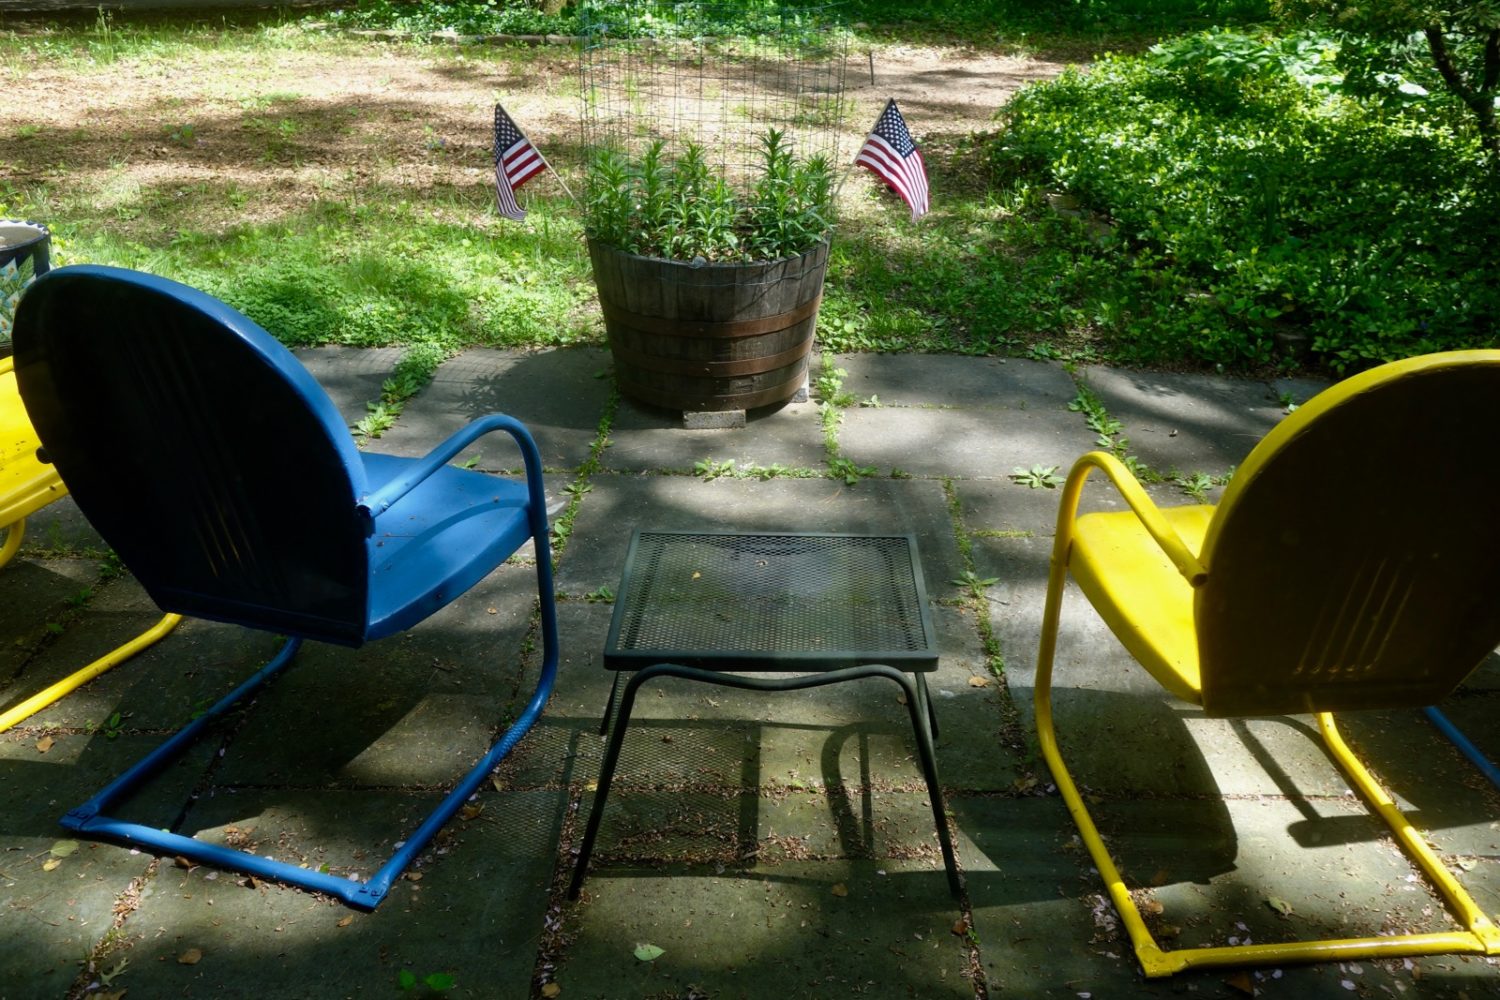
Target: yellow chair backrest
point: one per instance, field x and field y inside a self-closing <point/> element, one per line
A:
<point x="1354" y="560"/>
<point x="26" y="484"/>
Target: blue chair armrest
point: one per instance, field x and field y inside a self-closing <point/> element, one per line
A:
<point x="382" y="499"/>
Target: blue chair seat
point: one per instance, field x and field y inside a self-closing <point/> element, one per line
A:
<point x="441" y="539"/>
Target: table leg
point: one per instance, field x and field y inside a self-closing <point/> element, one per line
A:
<point x="609" y="706"/>
<point x="607" y="768"/>
<point x="918" y="706"/>
<point x="926" y="697"/>
<point x="920" y="716"/>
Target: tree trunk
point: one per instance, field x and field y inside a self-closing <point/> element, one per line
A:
<point x="1481" y="98"/>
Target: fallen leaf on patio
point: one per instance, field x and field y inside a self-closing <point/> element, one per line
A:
<point x="979" y="682"/>
<point x="551" y="990"/>
<point x="697" y="575"/>
<point x="190" y="957"/>
<point x="648" y="952"/>
<point x="492" y="611"/>
<point x="44" y="744"/>
<point x="960" y="927"/>
<point x="413" y="876"/>
<point x="182" y="862"/>
<point x="51" y="864"/>
<point x="63" y="848"/>
<point x="1467" y="864"/>
<point x="346" y="921"/>
<point x="840" y="889"/>
<point x="471" y="811"/>
<point x="1152" y="907"/>
<point x="496" y="783"/>
<point x="1348" y="984"/>
<point x="1241" y="981"/>
<point x="1281" y="906"/>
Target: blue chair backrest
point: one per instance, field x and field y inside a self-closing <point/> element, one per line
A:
<point x="199" y="448"/>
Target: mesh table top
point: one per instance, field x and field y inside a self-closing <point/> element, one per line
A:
<point x="771" y="602"/>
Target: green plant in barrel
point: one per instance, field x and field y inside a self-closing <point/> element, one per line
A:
<point x="684" y="209"/>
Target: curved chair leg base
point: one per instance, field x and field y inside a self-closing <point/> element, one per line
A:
<point x="12" y="544"/>
<point x="89" y="818"/>
<point x="78" y="678"/>
<point x="1479" y="936"/>
<point x="1459" y="901"/>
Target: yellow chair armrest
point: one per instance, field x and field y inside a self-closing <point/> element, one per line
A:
<point x="1140" y="504"/>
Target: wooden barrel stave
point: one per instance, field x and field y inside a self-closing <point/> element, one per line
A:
<point x="709" y="336"/>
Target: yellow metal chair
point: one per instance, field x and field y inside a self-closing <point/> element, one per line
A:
<point x="28" y="484"/>
<point x="1327" y="578"/>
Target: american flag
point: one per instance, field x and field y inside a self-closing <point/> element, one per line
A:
<point x="895" y="159"/>
<point x="516" y="162"/>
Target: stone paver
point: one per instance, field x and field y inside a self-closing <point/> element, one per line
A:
<point x="646" y="439"/>
<point x="556" y="394"/>
<point x="1187" y="423"/>
<point x="772" y="844"/>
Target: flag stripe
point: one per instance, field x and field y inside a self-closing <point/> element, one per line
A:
<point x="891" y="155"/>
<point x="906" y="179"/>
<point x="522" y="162"/>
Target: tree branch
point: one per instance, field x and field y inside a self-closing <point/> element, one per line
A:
<point x="1491" y="60"/>
<point x="1479" y="101"/>
<point x="1437" y="43"/>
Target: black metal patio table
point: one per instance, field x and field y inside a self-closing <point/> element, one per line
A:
<point x="711" y="606"/>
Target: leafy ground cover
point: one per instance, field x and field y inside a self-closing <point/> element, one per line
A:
<point x="1253" y="204"/>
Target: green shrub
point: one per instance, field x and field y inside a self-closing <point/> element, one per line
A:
<point x="1249" y="197"/>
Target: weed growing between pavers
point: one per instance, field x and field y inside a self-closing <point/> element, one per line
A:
<point x="562" y="525"/>
<point x="1111" y="438"/>
<point x="833" y="400"/>
<point x="33" y="644"/>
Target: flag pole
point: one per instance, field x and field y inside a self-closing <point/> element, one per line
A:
<point x="855" y="163"/>
<point x="555" y="172"/>
<point x="558" y="174"/>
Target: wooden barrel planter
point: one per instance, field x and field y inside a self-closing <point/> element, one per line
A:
<point x="709" y="336"/>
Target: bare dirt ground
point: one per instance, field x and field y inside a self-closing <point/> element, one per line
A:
<point x="237" y="135"/>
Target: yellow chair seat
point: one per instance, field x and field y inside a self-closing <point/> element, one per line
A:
<point x="1139" y="593"/>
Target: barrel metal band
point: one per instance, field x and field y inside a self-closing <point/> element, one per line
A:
<point x="713" y="401"/>
<point x="689" y="366"/>
<point x="699" y="328"/>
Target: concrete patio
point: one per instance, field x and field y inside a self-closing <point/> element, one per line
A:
<point x="773" y="846"/>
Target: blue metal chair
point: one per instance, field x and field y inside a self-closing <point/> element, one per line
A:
<point x="223" y="476"/>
